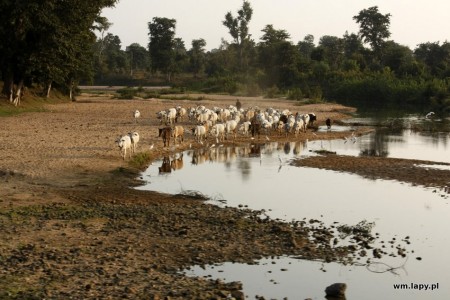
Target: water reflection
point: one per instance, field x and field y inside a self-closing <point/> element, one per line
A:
<point x="171" y="163"/>
<point x="229" y="155"/>
<point x="384" y="143"/>
<point x="398" y="210"/>
<point x="377" y="146"/>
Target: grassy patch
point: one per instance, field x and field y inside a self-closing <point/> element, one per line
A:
<point x="141" y="160"/>
<point x="31" y="102"/>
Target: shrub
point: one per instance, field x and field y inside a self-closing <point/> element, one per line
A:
<point x="272" y="92"/>
<point x="295" y="94"/>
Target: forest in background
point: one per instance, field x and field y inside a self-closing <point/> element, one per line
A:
<point x="58" y="47"/>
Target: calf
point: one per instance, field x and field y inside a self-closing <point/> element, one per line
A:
<point x="218" y="131"/>
<point x="312" y="119"/>
<point x="165" y="133"/>
<point x="178" y="134"/>
<point x="171" y="116"/>
<point x="255" y="127"/>
<point x="134" y="136"/>
<point x="124" y="144"/>
<point x="328" y="122"/>
<point x="161" y="116"/>
<point x="231" y="127"/>
<point x="199" y="132"/>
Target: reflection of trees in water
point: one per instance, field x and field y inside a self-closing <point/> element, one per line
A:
<point x="377" y="146"/>
<point x="435" y="131"/>
<point x="245" y="167"/>
<point x="438" y="138"/>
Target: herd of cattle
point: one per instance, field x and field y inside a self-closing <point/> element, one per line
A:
<point x="220" y="124"/>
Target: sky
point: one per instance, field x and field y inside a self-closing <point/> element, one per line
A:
<point x="412" y="21"/>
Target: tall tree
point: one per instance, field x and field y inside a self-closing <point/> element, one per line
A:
<point x="161" y="46"/>
<point x="197" y="56"/>
<point x="181" y="59"/>
<point x="48" y="40"/>
<point x="374" y="28"/>
<point x="139" y="58"/>
<point x="273" y="55"/>
<point x="306" y="46"/>
<point x="239" y="30"/>
<point x="333" y="50"/>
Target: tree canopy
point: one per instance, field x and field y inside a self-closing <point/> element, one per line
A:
<point x="374" y="27"/>
<point x="162" y="43"/>
<point x="49" y="41"/>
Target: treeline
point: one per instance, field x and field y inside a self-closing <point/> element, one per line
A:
<point x="364" y="67"/>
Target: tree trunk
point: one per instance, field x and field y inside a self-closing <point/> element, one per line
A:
<point x="18" y="95"/>
<point x="8" y="86"/>
<point x="71" y="91"/>
<point x="49" y="87"/>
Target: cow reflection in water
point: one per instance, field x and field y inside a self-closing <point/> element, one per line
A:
<point x="165" y="167"/>
<point x="222" y="154"/>
<point x="171" y="164"/>
<point x="177" y="163"/>
<point x="229" y="154"/>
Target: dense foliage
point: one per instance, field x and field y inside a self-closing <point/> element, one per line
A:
<point x="46" y="42"/>
<point x="53" y="45"/>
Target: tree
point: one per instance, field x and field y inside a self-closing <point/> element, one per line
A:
<point x="161" y="46"/>
<point x="272" y="36"/>
<point x="48" y="41"/>
<point x="353" y="52"/>
<point x="374" y="28"/>
<point x="436" y="57"/>
<point x="114" y="56"/>
<point x="333" y="50"/>
<point x="306" y="46"/>
<point x="181" y="59"/>
<point x="197" y="56"/>
<point x="221" y="61"/>
<point x="399" y="59"/>
<point x="274" y="56"/>
<point x="239" y="30"/>
<point x="139" y="58"/>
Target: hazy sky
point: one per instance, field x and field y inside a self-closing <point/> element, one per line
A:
<point x="412" y="21"/>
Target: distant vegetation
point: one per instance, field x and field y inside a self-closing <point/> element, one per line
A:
<point x="364" y="67"/>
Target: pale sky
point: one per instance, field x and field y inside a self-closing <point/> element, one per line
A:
<point x="412" y="21"/>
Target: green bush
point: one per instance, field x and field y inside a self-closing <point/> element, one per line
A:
<point x="295" y="94"/>
<point x="272" y="92"/>
<point x="127" y="93"/>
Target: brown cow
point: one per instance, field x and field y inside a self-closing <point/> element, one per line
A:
<point x="178" y="133"/>
<point x="165" y="133"/>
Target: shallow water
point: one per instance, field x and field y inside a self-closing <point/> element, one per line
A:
<point x="260" y="177"/>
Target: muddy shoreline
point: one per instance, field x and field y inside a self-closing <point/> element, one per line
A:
<point x="73" y="228"/>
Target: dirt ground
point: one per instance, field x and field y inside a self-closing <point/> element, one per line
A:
<point x="72" y="228"/>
